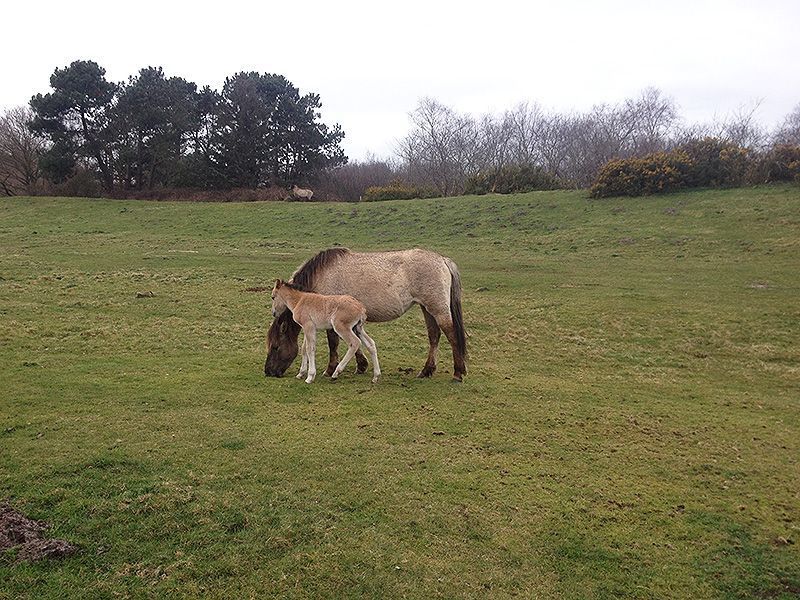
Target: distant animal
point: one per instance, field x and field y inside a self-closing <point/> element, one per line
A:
<point x="342" y="314"/>
<point x="388" y="284"/>
<point x="303" y="193"/>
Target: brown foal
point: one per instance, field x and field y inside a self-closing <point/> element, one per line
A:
<point x="344" y="314"/>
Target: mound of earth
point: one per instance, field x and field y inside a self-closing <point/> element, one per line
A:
<point x="27" y="536"/>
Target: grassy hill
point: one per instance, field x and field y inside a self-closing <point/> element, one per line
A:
<point x="630" y="426"/>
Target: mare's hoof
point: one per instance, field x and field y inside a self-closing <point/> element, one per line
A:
<point x="457" y="380"/>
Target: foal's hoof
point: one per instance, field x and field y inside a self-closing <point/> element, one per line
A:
<point x="334" y="379"/>
<point x="457" y="380"/>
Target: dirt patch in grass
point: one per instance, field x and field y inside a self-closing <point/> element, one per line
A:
<point x="27" y="537"/>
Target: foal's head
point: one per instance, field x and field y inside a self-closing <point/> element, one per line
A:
<point x="278" y="302"/>
<point x="282" y="336"/>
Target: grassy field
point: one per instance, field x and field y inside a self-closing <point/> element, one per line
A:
<point x="630" y="425"/>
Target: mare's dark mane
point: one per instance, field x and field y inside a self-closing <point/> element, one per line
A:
<point x="304" y="277"/>
<point x="303" y="280"/>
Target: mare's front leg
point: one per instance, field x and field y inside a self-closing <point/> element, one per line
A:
<point x="303" y="361"/>
<point x="333" y="345"/>
<point x="310" y="342"/>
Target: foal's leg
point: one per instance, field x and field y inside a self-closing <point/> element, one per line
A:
<point x="333" y="345"/>
<point x="434" y="333"/>
<point x="310" y="342"/>
<point x="345" y="331"/>
<point x="369" y="343"/>
<point x="303" y="360"/>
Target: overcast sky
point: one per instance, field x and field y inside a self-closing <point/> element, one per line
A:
<point x="372" y="61"/>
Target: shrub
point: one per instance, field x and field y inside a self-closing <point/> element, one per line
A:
<point x="272" y="193"/>
<point x="716" y="163"/>
<point x="654" y="174"/>
<point x="397" y="190"/>
<point x="82" y="184"/>
<point x="781" y="163"/>
<point x="707" y="162"/>
<point x="512" y="179"/>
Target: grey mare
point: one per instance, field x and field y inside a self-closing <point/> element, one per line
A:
<point x="388" y="284"/>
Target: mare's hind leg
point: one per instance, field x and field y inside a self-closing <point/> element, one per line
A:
<point x="361" y="362"/>
<point x="333" y="345"/>
<point x="445" y="322"/>
<point x="353" y="343"/>
<point x="434" y="333"/>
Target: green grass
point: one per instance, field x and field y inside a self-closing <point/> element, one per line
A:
<point x="628" y="428"/>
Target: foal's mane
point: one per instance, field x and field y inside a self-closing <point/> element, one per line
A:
<point x="303" y="279"/>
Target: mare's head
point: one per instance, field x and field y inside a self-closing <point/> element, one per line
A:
<point x="281" y="344"/>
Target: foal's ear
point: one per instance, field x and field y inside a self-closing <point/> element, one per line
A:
<point x="278" y="283"/>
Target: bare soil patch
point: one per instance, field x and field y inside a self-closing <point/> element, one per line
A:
<point x="28" y="537"/>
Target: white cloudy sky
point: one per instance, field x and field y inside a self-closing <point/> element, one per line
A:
<point x="372" y="61"/>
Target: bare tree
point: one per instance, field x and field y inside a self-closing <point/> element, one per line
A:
<point x="495" y="136"/>
<point x="685" y="133"/>
<point x="20" y="150"/>
<point x="526" y="122"/>
<point x="651" y="119"/>
<point x="442" y="147"/>
<point x="595" y="138"/>
<point x="350" y="181"/>
<point x="789" y="130"/>
<point x="741" y="127"/>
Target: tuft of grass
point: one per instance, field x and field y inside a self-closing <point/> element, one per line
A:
<point x="629" y="426"/>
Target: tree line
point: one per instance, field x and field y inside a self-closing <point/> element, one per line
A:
<point x="526" y="147"/>
<point x="448" y="150"/>
<point x="156" y="131"/>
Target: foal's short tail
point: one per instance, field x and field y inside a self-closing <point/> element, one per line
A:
<point x="455" y="307"/>
<point x="358" y="328"/>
